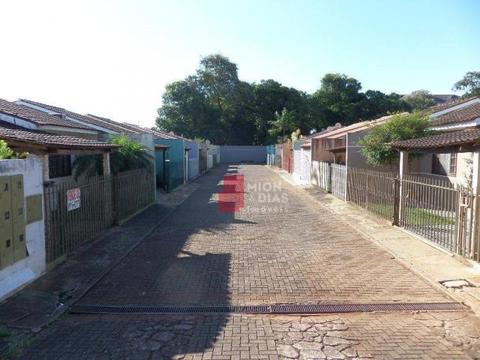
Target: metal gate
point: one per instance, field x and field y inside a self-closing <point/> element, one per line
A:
<point x="78" y="212"/>
<point x="339" y="180"/>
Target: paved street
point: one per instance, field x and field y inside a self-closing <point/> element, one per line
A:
<point x="281" y="247"/>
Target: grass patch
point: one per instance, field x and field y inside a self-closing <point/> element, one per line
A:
<point x="413" y="216"/>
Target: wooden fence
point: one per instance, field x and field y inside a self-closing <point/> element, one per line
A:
<point x="78" y="212"/>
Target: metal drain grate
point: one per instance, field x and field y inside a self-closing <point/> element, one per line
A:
<point x="262" y="309"/>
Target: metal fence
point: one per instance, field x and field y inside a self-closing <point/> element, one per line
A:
<point x="430" y="206"/>
<point x="438" y="213"/>
<point x="320" y="175"/>
<point x="373" y="190"/>
<point x="78" y="212"/>
<point x="339" y="181"/>
<point x="133" y="190"/>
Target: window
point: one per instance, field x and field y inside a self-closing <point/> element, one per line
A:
<point x="444" y="164"/>
<point x="452" y="171"/>
<point x="59" y="166"/>
<point x="439" y="164"/>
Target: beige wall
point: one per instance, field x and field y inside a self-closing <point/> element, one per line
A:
<point x="355" y="157"/>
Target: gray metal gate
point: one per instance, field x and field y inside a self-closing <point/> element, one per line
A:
<point x="78" y="212"/>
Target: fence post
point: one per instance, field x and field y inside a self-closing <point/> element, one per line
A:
<point x="329" y="178"/>
<point x="396" y="201"/>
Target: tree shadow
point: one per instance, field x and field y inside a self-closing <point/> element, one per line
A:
<point x="182" y="263"/>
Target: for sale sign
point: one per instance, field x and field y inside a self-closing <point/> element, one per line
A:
<point x="73" y="199"/>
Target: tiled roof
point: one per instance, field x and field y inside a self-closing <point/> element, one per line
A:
<point x="449" y="104"/>
<point x="169" y="136"/>
<point x="35" y="116"/>
<point x="33" y="138"/>
<point x="468" y="113"/>
<point x="113" y="125"/>
<point x="464" y="137"/>
<point x="104" y="123"/>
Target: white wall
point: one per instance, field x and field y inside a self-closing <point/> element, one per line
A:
<point x="26" y="270"/>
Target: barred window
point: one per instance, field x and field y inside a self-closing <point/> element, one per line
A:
<point x="59" y="166"/>
<point x="452" y="171"/>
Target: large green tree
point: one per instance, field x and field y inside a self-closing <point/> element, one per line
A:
<point x="341" y="98"/>
<point x="419" y="99"/>
<point x="470" y="84"/>
<point x="212" y="104"/>
<point x="272" y="98"/>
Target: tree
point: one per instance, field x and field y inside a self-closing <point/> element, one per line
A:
<point x="376" y="146"/>
<point x="129" y="155"/>
<point x="215" y="104"/>
<point x="470" y="84"/>
<point x="271" y="98"/>
<point x="378" y="104"/>
<point x="212" y="104"/>
<point x="283" y="124"/>
<point x="7" y="153"/>
<point x="340" y="97"/>
<point x="419" y="99"/>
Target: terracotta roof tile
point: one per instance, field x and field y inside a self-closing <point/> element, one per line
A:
<point x="36" y="116"/>
<point x="51" y="141"/>
<point x="92" y="120"/>
<point x="449" y="104"/>
<point x="465" y="114"/>
<point x="113" y="125"/>
<point x="468" y="136"/>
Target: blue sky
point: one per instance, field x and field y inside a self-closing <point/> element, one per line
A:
<point x="114" y="58"/>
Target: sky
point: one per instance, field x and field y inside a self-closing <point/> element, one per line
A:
<point x="114" y="58"/>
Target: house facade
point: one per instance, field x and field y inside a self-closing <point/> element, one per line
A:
<point x="456" y="119"/>
<point x="23" y="240"/>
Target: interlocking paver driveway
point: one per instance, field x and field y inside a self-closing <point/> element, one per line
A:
<point x="280" y="248"/>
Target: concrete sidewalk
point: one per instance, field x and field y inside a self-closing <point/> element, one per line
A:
<point x="43" y="301"/>
<point x="433" y="264"/>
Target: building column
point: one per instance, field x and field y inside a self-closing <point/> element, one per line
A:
<point x="403" y="170"/>
<point x="106" y="163"/>
<point x="475" y="243"/>
<point x="46" y="168"/>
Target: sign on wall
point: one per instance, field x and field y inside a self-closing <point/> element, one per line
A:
<point x="73" y="199"/>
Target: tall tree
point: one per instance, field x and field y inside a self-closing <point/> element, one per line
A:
<point x="470" y="84"/>
<point x="341" y="99"/>
<point x="419" y="99"/>
<point x="378" y="104"/>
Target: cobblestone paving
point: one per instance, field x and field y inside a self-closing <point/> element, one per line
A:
<point x="281" y="248"/>
<point x="355" y="336"/>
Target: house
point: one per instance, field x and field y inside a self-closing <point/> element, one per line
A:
<point x="24" y="244"/>
<point x="104" y="127"/>
<point x="182" y="157"/>
<point x="450" y="153"/>
<point x="59" y="164"/>
<point x="341" y="145"/>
